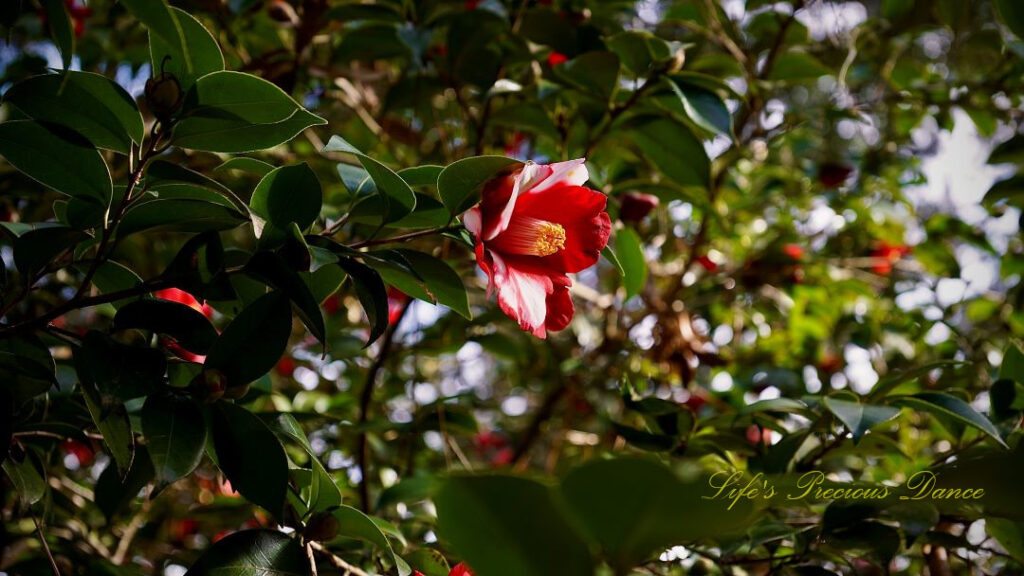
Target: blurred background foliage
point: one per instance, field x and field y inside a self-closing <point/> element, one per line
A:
<point x="815" y="264"/>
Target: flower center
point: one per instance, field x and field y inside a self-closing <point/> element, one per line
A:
<point x="532" y="236"/>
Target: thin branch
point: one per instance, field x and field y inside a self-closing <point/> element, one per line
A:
<point x="365" y="399"/>
<point x="46" y="546"/>
<point x="337" y="561"/>
<point x="402" y="238"/>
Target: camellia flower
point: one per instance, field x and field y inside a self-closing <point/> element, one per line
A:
<point x="182" y="297"/>
<point x="532" y="227"/>
<point x="555" y="58"/>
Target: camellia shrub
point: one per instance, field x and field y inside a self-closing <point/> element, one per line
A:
<point x="511" y="287"/>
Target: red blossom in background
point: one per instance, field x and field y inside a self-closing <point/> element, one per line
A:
<point x="555" y="58"/>
<point x="636" y="206"/>
<point x="707" y="263"/>
<point x="533" y="227"/>
<point x="396" y="304"/>
<point x="794" y="251"/>
<point x="833" y="174"/>
<point x="886" y="255"/>
<point x="182" y="297"/>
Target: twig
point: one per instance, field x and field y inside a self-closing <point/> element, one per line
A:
<point x="312" y="560"/>
<point x="402" y="238"/>
<point x="337" y="561"/>
<point x="46" y="547"/>
<point x="532" y="432"/>
<point x="365" y="399"/>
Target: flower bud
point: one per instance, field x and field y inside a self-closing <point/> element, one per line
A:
<point x="636" y="206"/>
<point x="210" y="385"/>
<point x="164" y="96"/>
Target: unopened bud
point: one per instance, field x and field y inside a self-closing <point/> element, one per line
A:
<point x="164" y="96"/>
<point x="321" y="527"/>
<point x="210" y="385"/>
<point x="636" y="206"/>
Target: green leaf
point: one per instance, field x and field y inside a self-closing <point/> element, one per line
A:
<point x="673" y="150"/>
<point x="1012" y="367"/>
<point x="187" y="326"/>
<point x="250" y="455"/>
<point x="122" y="371"/>
<point x="289" y="194"/>
<point x="1011" y="190"/>
<point x="36" y="249"/>
<point x="1009" y="533"/>
<point x="399" y="199"/>
<point x="108" y="413"/>
<point x="354" y="524"/>
<point x="324" y="493"/>
<point x="639" y="50"/>
<point x="946" y="405"/>
<point x="273" y="270"/>
<point x="254" y="341"/>
<point x="428" y="562"/>
<point x="631" y="257"/>
<point x="594" y="72"/>
<point x="234" y="112"/>
<point x="704" y="107"/>
<point x="795" y="66"/>
<point x="90" y="104"/>
<point x="440" y="280"/>
<point x="201" y="48"/>
<point x="253" y="553"/>
<point x="859" y="418"/>
<point x="460" y="182"/>
<point x="1012" y="14"/>
<point x="179" y="215"/>
<point x="26" y="478"/>
<point x="372" y="295"/>
<point x="114" y="493"/>
<point x="68" y="166"/>
<point x="246" y="164"/>
<point x="61" y="30"/>
<point x="511" y="526"/>
<point x="162" y="21"/>
<point x="613" y="259"/>
<point x="634" y="508"/>
<point x="417" y="176"/>
<point x="175" y="432"/>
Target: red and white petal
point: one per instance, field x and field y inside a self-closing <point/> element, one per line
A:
<point x="581" y="212"/>
<point x="522" y="180"/>
<point x="473" y="221"/>
<point x="568" y="173"/>
<point x="522" y="293"/>
<point x="559" y="303"/>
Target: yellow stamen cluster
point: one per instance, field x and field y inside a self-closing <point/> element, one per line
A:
<point x="550" y="238"/>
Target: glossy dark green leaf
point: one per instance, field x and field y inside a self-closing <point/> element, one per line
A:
<point x="594" y="72"/>
<point x="254" y="341"/>
<point x="459" y="184"/>
<point x="947" y="405"/>
<point x="108" y="413"/>
<point x="1012" y="367"/>
<point x="61" y="29"/>
<point x="26" y="368"/>
<point x="235" y="112"/>
<point x="120" y="370"/>
<point x="202" y="50"/>
<point x="250" y="455"/>
<point x="289" y="194"/>
<point x="272" y="269"/>
<point x="323" y="492"/>
<point x="859" y="418"/>
<point x="421" y="175"/>
<point x="114" y="493"/>
<point x="69" y="166"/>
<point x="90" y="104"/>
<point x="253" y="553"/>
<point x="1009" y="533"/>
<point x="185" y="325"/>
<point x="631" y="257"/>
<point x="1012" y="14"/>
<point x="162" y="22"/>
<point x="179" y="215"/>
<point x="399" y="199"/>
<point x="354" y="524"/>
<point x="704" y="107"/>
<point x="429" y="562"/>
<point x="245" y="164"/>
<point x="633" y="509"/>
<point x="26" y="478"/>
<point x="673" y="150"/>
<point x="639" y="50"/>
<point x="36" y="249"/>
<point x="175" y="433"/>
<point x="442" y="282"/>
<point x="510" y="526"/>
<point x="372" y="295"/>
